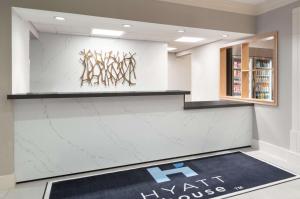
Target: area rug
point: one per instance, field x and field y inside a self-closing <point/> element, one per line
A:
<point x="219" y="176"/>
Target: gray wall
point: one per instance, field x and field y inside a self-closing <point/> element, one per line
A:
<point x="6" y="115"/>
<point x="274" y="124"/>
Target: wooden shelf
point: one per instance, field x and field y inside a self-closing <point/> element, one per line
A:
<point x="251" y="100"/>
<point x="259" y="69"/>
<point x="253" y="70"/>
<point x="256" y="49"/>
<point x="261" y="57"/>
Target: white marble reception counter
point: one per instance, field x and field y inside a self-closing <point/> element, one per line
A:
<point x="62" y="136"/>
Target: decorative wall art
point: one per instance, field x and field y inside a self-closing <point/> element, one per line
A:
<point x="107" y="68"/>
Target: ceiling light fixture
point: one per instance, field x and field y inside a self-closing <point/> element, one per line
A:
<point x="103" y="32"/>
<point x="225" y="35"/>
<point x="190" y="39"/>
<point x="181" y="31"/>
<point x="269" y="38"/>
<point x="127" y="26"/>
<point x="59" y="18"/>
<point x="171" y="48"/>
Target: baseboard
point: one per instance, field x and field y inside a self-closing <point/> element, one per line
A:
<point x="295" y="140"/>
<point x="7" y="182"/>
<point x="277" y="151"/>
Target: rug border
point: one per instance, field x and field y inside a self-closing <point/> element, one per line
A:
<point x="296" y="177"/>
<point x="48" y="186"/>
<point x="257" y="188"/>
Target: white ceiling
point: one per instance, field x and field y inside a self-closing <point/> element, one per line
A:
<point x="250" y="7"/>
<point x="76" y="24"/>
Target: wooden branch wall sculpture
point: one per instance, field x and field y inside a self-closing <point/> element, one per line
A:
<point x="107" y="68"/>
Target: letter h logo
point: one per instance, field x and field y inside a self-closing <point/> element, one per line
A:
<point x="162" y="176"/>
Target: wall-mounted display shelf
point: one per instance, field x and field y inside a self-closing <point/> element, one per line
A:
<point x="249" y="70"/>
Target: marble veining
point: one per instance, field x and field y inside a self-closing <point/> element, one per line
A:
<point x="62" y="136"/>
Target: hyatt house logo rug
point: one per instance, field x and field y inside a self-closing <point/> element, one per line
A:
<point x="219" y="176"/>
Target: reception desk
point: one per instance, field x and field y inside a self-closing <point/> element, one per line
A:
<point x="59" y="134"/>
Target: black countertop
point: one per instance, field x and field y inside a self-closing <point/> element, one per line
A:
<point x="94" y="94"/>
<point x="214" y="104"/>
<point x="187" y="105"/>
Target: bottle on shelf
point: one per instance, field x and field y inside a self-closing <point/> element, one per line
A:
<point x="237" y="76"/>
<point x="263" y="63"/>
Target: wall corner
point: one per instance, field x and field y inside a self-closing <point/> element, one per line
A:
<point x="7" y="182"/>
<point x="295" y="140"/>
<point x="295" y="131"/>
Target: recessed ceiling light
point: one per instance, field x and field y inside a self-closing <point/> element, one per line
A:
<point x="59" y="18"/>
<point x="103" y="32"/>
<point x="127" y="26"/>
<point x="181" y="31"/>
<point x="269" y="38"/>
<point x="171" y="48"/>
<point x="225" y="35"/>
<point x="189" y="39"/>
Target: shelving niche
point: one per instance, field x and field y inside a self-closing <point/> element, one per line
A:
<point x="249" y="70"/>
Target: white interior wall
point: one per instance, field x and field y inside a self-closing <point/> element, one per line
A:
<point x="20" y="55"/>
<point x="55" y="65"/>
<point x="179" y="71"/>
<point x="197" y="70"/>
<point x="206" y="72"/>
